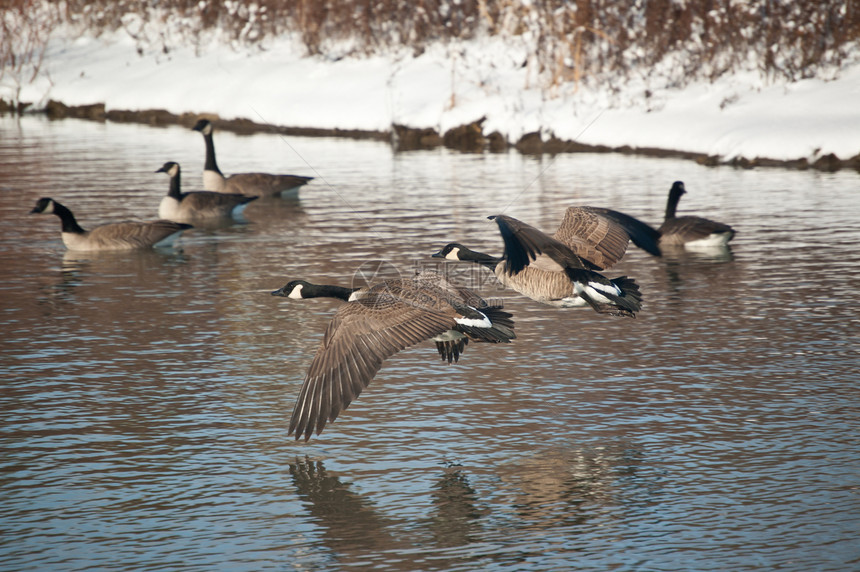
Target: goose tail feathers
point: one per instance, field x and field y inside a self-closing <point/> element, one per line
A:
<point x="616" y="297"/>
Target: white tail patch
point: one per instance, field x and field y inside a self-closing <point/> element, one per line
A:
<point x="715" y="240"/>
<point x="595" y="291"/>
<point x="475" y="323"/>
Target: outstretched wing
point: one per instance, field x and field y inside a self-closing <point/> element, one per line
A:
<point x="642" y="234"/>
<point x="525" y="245"/>
<point x="601" y="235"/>
<point x="360" y="337"/>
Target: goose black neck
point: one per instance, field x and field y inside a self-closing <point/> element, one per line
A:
<point x="672" y="204"/>
<point x="68" y="219"/>
<point x="479" y="258"/>
<point x="210" y="164"/>
<point x="326" y="291"/>
<point x="174" y="190"/>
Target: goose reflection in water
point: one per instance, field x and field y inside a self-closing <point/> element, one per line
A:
<point x="353" y="528"/>
<point x="542" y="490"/>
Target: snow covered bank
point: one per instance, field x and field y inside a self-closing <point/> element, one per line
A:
<point x="738" y="116"/>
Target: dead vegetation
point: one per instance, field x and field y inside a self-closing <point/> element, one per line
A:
<point x="568" y="40"/>
<point x="25" y="27"/>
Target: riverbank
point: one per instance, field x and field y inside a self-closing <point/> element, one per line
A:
<point x="465" y="138"/>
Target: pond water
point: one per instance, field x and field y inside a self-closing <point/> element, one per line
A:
<point x="146" y="395"/>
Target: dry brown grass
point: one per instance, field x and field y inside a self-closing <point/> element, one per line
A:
<point x="569" y="40"/>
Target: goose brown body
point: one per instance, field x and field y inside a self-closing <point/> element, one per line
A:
<point x="127" y="235"/>
<point x="690" y="231"/>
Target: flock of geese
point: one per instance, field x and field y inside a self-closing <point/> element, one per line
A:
<point x="375" y="322"/>
<point x="222" y="198"/>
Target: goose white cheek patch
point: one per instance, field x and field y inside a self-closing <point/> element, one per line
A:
<point x="296" y="292"/>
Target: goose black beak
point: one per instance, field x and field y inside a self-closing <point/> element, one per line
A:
<point x="437" y="255"/>
<point x="279" y="292"/>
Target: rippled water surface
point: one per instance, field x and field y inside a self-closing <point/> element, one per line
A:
<point x="146" y="396"/>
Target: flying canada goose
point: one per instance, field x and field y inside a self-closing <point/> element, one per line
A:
<point x="114" y="236"/>
<point x="690" y="231"/>
<point x="262" y="184"/>
<point x="377" y="322"/>
<point x="197" y="205"/>
<point x="589" y="239"/>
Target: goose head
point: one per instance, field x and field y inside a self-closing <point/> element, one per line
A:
<point x="677" y="190"/>
<point x="292" y="289"/>
<point x="456" y="251"/>
<point x="43" y="205"/>
<point x="204" y="126"/>
<point x="452" y="251"/>
<point x="171" y="168"/>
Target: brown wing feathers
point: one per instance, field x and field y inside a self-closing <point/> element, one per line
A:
<point x="134" y="234"/>
<point x="640" y="233"/>
<point x="592" y="236"/>
<point x="353" y="349"/>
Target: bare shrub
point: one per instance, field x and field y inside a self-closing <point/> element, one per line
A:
<point x="569" y="42"/>
<point x="25" y="27"/>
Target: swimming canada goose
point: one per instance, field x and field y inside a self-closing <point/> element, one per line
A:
<point x="262" y="184"/>
<point x="377" y="322"/>
<point x="197" y="205"/>
<point x="114" y="236"/>
<point x="690" y="231"/>
<point x="560" y="270"/>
